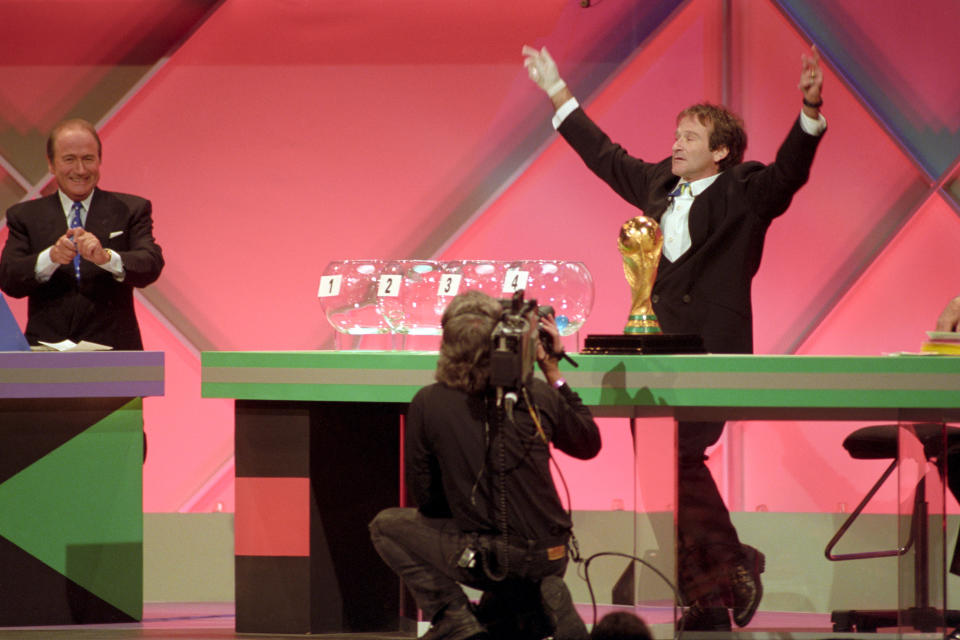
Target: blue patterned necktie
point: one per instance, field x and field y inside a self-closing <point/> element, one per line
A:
<point x="682" y="188"/>
<point x="76" y="222"/>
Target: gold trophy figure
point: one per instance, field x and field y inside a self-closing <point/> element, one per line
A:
<point x="640" y="243"/>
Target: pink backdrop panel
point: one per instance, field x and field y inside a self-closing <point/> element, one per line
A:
<point x="312" y="150"/>
<point x="839" y="218"/>
<point x="280" y="136"/>
<point x="902" y="59"/>
<point x="604" y="483"/>
<point x="565" y="210"/>
<point x="189" y="438"/>
<point x="802" y="467"/>
<point x="899" y="297"/>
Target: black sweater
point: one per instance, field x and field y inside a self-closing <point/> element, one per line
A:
<point x="454" y="463"/>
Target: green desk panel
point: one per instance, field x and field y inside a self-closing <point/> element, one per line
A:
<point x="71" y="485"/>
<point x="685" y="386"/>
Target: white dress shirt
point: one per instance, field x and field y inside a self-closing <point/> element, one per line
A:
<point x="675" y="222"/>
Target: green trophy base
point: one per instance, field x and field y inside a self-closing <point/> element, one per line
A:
<point x="650" y="343"/>
<point x="644" y="323"/>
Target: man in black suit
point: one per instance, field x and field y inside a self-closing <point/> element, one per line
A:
<point x="79" y="253"/>
<point x="714" y="210"/>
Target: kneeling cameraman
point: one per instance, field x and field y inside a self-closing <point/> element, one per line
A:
<point x="477" y="466"/>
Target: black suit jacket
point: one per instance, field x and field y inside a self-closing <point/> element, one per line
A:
<point x="98" y="307"/>
<point x="707" y="290"/>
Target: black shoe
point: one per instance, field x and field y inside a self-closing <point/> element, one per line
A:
<point x="746" y="586"/>
<point x="513" y="611"/>
<point x="558" y="607"/>
<point x="704" y="618"/>
<point x="456" y="622"/>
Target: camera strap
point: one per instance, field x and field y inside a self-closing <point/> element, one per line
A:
<point x="535" y="415"/>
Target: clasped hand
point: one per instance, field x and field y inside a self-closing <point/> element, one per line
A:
<point x="77" y="241"/>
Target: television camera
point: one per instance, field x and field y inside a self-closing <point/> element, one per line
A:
<point x="515" y="346"/>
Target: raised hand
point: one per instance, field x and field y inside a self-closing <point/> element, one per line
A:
<point x="543" y="70"/>
<point x="811" y="78"/>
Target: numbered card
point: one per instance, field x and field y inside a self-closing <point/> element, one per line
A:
<point x="330" y="286"/>
<point x="515" y="280"/>
<point x="449" y="284"/>
<point x="389" y="285"/>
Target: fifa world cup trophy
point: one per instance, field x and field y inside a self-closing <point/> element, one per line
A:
<point x="640" y="243"/>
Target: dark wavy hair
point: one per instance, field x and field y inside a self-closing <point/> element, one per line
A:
<point x="621" y="625"/>
<point x="727" y="131"/>
<point x="73" y="123"/>
<point x="467" y="323"/>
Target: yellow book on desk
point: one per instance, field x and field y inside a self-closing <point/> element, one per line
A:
<point x="946" y="342"/>
<point x="946" y="348"/>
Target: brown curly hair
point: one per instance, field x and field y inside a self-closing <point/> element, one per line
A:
<point x="467" y="322"/>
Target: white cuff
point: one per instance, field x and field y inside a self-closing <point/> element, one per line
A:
<point x="45" y="267"/>
<point x="565" y="110"/>
<point x="811" y="126"/>
<point x="114" y="265"/>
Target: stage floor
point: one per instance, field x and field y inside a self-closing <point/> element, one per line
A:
<point x="215" y="621"/>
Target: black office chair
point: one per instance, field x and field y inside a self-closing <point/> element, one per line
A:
<point x="880" y="442"/>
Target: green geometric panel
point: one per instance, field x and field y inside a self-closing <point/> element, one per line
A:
<point x="79" y="509"/>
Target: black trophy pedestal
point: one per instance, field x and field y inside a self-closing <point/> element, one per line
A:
<point x="643" y="343"/>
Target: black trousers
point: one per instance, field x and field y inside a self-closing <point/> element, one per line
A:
<point x="425" y="552"/>
<point x="708" y="547"/>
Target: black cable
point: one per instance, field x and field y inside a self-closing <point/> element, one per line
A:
<point x="486" y="452"/>
<point x="527" y="444"/>
<point x="678" y="598"/>
<point x="593" y="600"/>
<point x="503" y="542"/>
<point x="502" y="481"/>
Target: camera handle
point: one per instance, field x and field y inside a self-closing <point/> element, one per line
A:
<point x="563" y="355"/>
